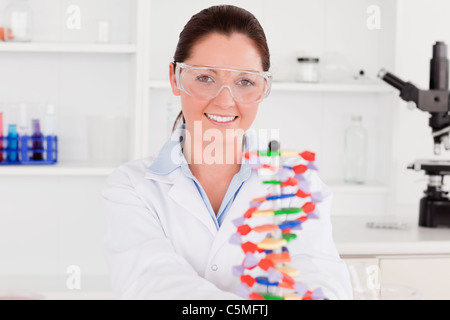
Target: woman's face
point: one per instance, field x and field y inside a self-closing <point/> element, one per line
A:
<point x="234" y="51"/>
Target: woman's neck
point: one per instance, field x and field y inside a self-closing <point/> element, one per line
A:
<point x="219" y="153"/>
<point x="214" y="163"/>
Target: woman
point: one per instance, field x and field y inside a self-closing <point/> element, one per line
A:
<point x="170" y="218"/>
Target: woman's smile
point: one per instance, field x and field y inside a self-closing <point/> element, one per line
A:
<point x="221" y="120"/>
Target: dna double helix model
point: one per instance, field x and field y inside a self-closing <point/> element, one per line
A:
<point x="267" y="228"/>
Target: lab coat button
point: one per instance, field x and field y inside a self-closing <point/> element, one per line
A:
<point x="214" y="267"/>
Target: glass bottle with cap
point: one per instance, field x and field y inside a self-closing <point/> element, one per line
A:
<point x="308" y="69"/>
<point x="18" y="21"/>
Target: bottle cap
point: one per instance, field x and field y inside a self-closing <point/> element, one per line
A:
<point x="308" y="59"/>
<point x="36" y="126"/>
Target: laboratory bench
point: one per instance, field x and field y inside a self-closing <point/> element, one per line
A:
<point x="405" y="253"/>
<point x="410" y="255"/>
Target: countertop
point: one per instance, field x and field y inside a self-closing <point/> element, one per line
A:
<point x="353" y="238"/>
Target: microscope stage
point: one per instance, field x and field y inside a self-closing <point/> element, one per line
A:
<point x="432" y="167"/>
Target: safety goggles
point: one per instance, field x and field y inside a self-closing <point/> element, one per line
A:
<point x="206" y="82"/>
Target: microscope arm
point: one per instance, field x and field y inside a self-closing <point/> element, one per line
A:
<point x="434" y="101"/>
<point x="430" y="100"/>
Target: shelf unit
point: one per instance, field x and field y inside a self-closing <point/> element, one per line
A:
<point x="63" y="169"/>
<point x="135" y="50"/>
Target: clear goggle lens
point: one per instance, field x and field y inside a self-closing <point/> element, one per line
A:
<point x="206" y="82"/>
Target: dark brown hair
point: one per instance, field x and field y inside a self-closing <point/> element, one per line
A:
<point x="222" y="19"/>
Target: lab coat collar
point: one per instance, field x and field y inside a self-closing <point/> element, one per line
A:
<point x="171" y="155"/>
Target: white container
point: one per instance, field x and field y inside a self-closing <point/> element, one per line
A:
<point x="18" y="21"/>
<point x="50" y="121"/>
<point x="308" y="69"/>
<point x="355" y="165"/>
<point x="103" y="35"/>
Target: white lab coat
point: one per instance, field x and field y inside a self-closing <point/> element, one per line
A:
<point x="162" y="243"/>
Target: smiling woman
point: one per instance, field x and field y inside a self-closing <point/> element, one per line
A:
<point x="171" y="217"/>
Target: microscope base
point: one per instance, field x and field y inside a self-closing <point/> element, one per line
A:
<point x="434" y="213"/>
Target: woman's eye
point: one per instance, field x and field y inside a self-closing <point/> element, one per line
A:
<point x="204" y="79"/>
<point x="245" y="83"/>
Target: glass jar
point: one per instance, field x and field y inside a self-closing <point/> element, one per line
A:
<point x="18" y="21"/>
<point x="308" y="69"/>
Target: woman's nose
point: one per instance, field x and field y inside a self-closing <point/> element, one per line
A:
<point x="224" y="97"/>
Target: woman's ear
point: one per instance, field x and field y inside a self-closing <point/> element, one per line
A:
<point x="173" y="80"/>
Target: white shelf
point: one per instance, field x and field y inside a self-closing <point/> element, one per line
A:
<point x="333" y="87"/>
<point x="308" y="87"/>
<point x="369" y="187"/>
<point x="59" y="169"/>
<point x="44" y="47"/>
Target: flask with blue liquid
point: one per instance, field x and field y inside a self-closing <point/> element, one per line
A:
<point x="12" y="154"/>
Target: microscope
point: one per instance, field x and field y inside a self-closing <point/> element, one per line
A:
<point x="435" y="205"/>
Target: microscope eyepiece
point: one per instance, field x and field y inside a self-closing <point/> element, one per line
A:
<point x="391" y="79"/>
<point x="440" y="50"/>
<point x="382" y="73"/>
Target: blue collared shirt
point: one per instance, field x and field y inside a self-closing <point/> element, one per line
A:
<point x="171" y="157"/>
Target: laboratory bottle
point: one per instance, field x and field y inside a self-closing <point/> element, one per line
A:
<point x="355" y="165"/>
<point x="308" y="69"/>
<point x="18" y="21"/>
<point x="50" y="121"/>
<point x="1" y="136"/>
<point x="12" y="154"/>
<point x="37" y="140"/>
<point x="23" y="119"/>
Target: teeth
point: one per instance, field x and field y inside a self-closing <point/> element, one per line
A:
<point x="220" y="119"/>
